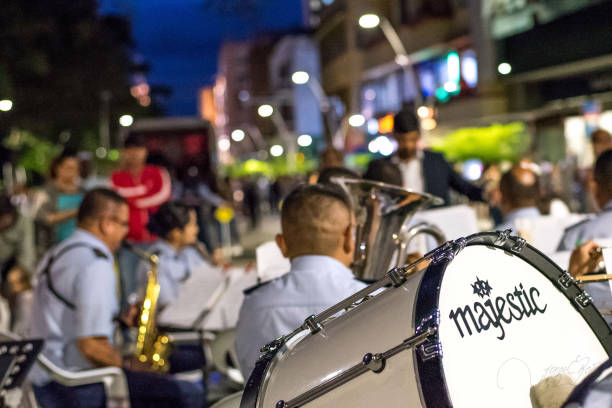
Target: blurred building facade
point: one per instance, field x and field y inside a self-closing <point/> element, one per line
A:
<point x="460" y="51"/>
<point x="256" y="72"/>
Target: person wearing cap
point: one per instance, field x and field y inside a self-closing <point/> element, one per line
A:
<point x="423" y="170"/>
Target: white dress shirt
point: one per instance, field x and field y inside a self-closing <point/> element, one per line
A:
<point x="313" y="284"/>
<point x="412" y="173"/>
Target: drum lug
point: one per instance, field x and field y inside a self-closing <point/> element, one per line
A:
<point x="397" y="276"/>
<point x="312" y="324"/>
<point x="518" y="246"/>
<point x="448" y="251"/>
<point x="430" y="349"/>
<point x="273" y="345"/>
<point x="565" y="280"/>
<point x="583" y="299"/>
<point x="502" y="237"/>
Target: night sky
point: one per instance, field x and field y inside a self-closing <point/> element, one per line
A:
<point x="181" y="38"/>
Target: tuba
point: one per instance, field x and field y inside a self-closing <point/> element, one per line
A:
<point x="151" y="347"/>
<point x="383" y="213"/>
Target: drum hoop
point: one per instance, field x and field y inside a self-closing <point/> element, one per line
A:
<point x="430" y="371"/>
<point x="431" y="378"/>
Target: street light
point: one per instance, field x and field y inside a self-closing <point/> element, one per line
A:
<point x="356" y="120"/>
<point x="300" y="77"/>
<point x="238" y="135"/>
<point x="370" y="21"/>
<point x="276" y="150"/>
<point x="303" y="78"/>
<point x="504" y="68"/>
<point x="6" y="105"/>
<point x="304" y="140"/>
<point x="126" y="120"/>
<point x="265" y="111"/>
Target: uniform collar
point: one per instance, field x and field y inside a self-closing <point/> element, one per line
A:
<point x="318" y="263"/>
<point x="87" y="237"/>
<point x="524" y="212"/>
<point x="165" y="247"/>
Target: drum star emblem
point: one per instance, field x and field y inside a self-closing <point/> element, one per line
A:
<point x="481" y="288"/>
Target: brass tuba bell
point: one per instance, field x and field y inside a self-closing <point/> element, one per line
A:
<point x="383" y="213"/>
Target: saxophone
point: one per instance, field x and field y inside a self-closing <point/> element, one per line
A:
<point x="151" y="347"/>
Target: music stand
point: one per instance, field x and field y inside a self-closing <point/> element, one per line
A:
<point x="16" y="360"/>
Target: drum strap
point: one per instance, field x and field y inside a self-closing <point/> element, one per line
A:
<point x="47" y="270"/>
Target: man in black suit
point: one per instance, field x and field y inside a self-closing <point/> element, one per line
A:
<point x="424" y="170"/>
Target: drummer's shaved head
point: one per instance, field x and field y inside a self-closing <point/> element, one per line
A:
<point x="315" y="220"/>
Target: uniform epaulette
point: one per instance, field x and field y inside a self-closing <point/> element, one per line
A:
<point x="99" y="253"/>
<point x="253" y="288"/>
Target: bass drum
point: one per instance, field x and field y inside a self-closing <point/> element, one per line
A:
<point x="474" y="323"/>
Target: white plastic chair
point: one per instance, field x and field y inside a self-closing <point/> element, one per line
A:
<point x="221" y="349"/>
<point x="113" y="378"/>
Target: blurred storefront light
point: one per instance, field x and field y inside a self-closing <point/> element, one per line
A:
<point x="265" y="111"/>
<point x="304" y="140"/>
<point x="429" y="124"/>
<point x="504" y="68"/>
<point x="453" y="67"/>
<point x="425" y="112"/>
<point x="469" y="68"/>
<point x="224" y="145"/>
<point x="372" y="126"/>
<point x="238" y="135"/>
<point x="300" y="77"/>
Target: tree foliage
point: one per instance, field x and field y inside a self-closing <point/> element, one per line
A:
<point x="56" y="59"/>
<point x="491" y="144"/>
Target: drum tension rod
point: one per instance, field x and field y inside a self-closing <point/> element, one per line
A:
<point x="370" y="362"/>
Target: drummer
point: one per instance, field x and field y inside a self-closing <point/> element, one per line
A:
<point x="317" y="236"/>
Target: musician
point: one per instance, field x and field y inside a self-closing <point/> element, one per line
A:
<point x="520" y="189"/>
<point x="177" y="227"/>
<point x="75" y="303"/>
<point x="317" y="236"/>
<point x="599" y="226"/>
<point x="424" y="170"/>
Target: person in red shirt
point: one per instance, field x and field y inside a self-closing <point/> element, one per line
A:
<point x="145" y="187"/>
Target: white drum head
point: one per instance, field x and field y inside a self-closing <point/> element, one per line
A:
<point x="504" y="326"/>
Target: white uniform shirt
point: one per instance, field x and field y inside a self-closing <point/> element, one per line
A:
<point x="174" y="268"/>
<point x="85" y="278"/>
<point x="412" y="173"/>
<point x="313" y="284"/>
<point x="599" y="226"/>
<point x="520" y="213"/>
